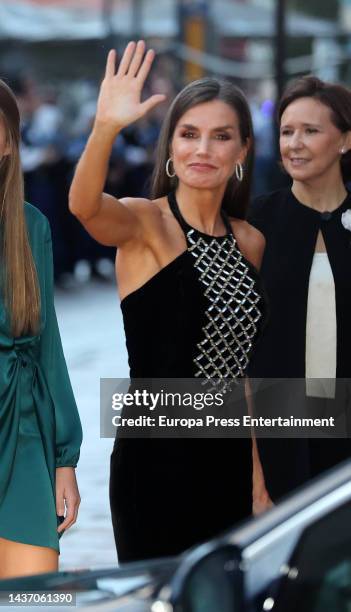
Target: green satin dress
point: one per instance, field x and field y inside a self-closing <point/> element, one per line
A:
<point x="39" y="423"/>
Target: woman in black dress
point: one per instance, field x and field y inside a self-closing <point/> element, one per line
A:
<point x="307" y="275"/>
<point x="190" y="296"/>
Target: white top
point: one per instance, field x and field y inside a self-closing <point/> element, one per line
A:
<point x="321" y="329"/>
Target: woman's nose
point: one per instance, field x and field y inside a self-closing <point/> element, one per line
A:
<point x="203" y="146"/>
<point x="295" y="141"/>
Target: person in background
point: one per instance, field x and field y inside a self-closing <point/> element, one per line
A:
<point x="306" y="271"/>
<point x="40" y="431"/>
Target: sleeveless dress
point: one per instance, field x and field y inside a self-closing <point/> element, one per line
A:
<point x="198" y="316"/>
<point x="40" y="428"/>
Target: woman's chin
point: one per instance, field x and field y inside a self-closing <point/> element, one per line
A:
<point x="202" y="183"/>
<point x="300" y="174"/>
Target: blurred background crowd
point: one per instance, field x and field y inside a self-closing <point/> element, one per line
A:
<point x="53" y="54"/>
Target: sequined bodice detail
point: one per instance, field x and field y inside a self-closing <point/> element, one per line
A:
<point x="234" y="302"/>
<point x="233" y="311"/>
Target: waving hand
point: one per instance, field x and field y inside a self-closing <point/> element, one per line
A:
<point x="119" y="102"/>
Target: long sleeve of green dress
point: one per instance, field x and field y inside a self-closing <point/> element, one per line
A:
<point x="68" y="433"/>
<point x="39" y="423"/>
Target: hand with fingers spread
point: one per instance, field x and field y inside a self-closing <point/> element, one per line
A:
<point x="119" y="102"/>
<point x="67" y="497"/>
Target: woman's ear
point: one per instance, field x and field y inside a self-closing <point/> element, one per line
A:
<point x="348" y="141"/>
<point x="244" y="151"/>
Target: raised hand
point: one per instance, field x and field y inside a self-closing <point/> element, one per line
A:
<point x="119" y="102"/>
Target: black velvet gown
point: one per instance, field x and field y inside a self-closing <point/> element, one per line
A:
<point x="291" y="229"/>
<point x="169" y="494"/>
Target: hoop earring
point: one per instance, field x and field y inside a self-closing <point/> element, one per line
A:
<point x="239" y="171"/>
<point x="169" y="174"/>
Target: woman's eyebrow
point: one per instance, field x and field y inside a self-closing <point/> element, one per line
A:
<point x="188" y="126"/>
<point x="223" y="127"/>
<point x="287" y="125"/>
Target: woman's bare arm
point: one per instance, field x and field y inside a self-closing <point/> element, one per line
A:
<point x="111" y="221"/>
<point x="260" y="496"/>
<point x="252" y="244"/>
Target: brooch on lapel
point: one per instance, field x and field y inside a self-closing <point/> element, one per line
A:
<point x="346" y="221"/>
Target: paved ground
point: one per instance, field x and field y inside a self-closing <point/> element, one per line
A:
<point x="93" y="339"/>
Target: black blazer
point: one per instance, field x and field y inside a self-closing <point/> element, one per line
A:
<point x="291" y="230"/>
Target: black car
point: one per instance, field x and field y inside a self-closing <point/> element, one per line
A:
<point x="294" y="558"/>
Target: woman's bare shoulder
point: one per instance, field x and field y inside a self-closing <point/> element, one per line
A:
<point x="250" y="240"/>
<point x="246" y="229"/>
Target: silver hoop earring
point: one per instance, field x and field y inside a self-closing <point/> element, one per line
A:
<point x="239" y="171"/>
<point x="169" y="174"/>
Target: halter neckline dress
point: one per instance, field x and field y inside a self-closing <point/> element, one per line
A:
<point x="199" y="316"/>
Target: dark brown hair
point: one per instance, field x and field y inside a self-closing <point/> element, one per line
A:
<point x="21" y="289"/>
<point x="237" y="194"/>
<point x="336" y="97"/>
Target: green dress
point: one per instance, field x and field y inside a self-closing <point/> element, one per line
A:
<point x="39" y="423"/>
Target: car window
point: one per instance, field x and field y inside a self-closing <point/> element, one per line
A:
<point x="215" y="583"/>
<point x="318" y="577"/>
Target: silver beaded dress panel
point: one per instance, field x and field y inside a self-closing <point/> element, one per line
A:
<point x="235" y="305"/>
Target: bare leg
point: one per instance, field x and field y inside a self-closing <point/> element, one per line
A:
<point x="17" y="559"/>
